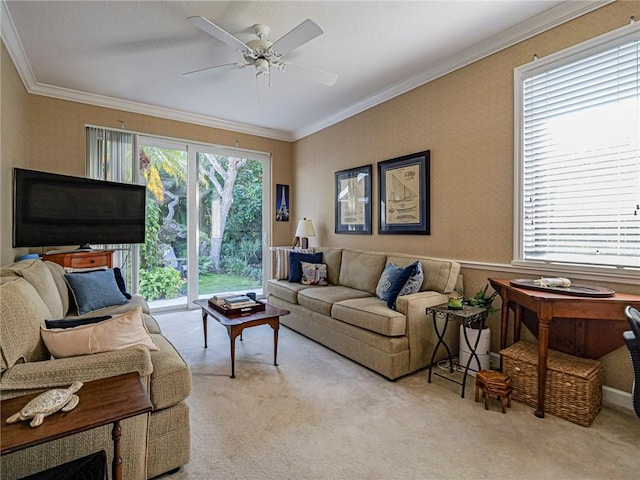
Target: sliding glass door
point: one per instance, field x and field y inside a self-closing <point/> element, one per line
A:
<point x="162" y="274"/>
<point x="230" y="223"/>
<point x="206" y="228"/>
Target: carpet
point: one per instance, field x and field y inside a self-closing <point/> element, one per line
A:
<point x="319" y="415"/>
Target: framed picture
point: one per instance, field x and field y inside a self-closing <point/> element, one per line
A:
<point x="282" y="203"/>
<point x="353" y="200"/>
<point x="403" y="188"/>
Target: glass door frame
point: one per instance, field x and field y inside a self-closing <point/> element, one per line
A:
<point x="192" y="149"/>
<point x="193" y="211"/>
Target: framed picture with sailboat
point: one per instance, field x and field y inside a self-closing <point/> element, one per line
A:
<point x="353" y="200"/>
<point x="403" y="189"/>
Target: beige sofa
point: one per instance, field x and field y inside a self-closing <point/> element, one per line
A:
<point x="34" y="290"/>
<point x="348" y="317"/>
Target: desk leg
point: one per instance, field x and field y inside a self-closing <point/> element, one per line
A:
<point x="517" y="324"/>
<point x="116" y="466"/>
<point x="276" y="326"/>
<point x="543" y="350"/>
<point x="504" y="323"/>
<point x="204" y="327"/>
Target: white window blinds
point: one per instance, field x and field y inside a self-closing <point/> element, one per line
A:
<point x="580" y="156"/>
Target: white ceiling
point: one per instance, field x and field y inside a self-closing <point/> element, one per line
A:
<point x="132" y="54"/>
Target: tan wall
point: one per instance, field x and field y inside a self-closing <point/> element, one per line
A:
<point x="466" y="120"/>
<point x="13" y="146"/>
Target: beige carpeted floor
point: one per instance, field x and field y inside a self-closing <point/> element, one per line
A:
<point x="319" y="415"/>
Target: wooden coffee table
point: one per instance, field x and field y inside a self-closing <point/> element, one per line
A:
<point x="104" y="401"/>
<point x="235" y="323"/>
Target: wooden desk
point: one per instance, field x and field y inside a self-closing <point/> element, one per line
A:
<point x="104" y="401"/>
<point x="548" y="306"/>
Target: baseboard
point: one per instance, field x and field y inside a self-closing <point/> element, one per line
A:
<point x="617" y="398"/>
<point x="610" y="396"/>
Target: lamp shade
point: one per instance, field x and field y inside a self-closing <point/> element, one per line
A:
<point x="305" y="229"/>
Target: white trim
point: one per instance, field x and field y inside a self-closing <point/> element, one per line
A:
<point x="538" y="24"/>
<point x="617" y="398"/>
<point x="590" y="274"/>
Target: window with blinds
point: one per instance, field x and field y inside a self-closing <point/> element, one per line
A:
<point x="578" y="154"/>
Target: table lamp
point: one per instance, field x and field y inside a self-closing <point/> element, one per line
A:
<point x="305" y="229"/>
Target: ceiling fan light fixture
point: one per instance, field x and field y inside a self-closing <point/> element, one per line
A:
<point x="262" y="66"/>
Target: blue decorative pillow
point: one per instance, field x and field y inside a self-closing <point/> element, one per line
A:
<point x="120" y="281"/>
<point x="295" y="264"/>
<point x="414" y="283"/>
<point x="71" y="323"/>
<point x="94" y="290"/>
<point x="389" y="275"/>
<point x="399" y="283"/>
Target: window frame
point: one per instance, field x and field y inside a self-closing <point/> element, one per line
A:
<point x="585" y="49"/>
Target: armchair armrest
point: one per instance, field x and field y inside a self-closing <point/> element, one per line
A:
<point x="24" y="378"/>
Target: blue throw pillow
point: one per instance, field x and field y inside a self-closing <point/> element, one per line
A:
<point x="399" y="282"/>
<point x="387" y="278"/>
<point x="120" y="281"/>
<point x="94" y="290"/>
<point x="295" y="261"/>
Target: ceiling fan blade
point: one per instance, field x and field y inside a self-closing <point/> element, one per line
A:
<point x="216" y="69"/>
<point x="306" y="31"/>
<point x="217" y="32"/>
<point x="320" y="76"/>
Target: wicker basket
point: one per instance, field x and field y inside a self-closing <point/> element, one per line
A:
<point x="573" y="385"/>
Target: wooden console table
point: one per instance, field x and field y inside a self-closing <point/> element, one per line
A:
<point x="104" y="401"/>
<point x="88" y="259"/>
<point x="549" y="306"/>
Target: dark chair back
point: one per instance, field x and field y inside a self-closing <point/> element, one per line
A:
<point x="632" y="339"/>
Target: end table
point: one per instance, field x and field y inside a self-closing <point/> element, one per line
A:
<point x="469" y="316"/>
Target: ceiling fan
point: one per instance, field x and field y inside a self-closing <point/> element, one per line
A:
<point x="262" y="53"/>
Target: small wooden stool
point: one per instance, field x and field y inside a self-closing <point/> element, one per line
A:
<point x="492" y="382"/>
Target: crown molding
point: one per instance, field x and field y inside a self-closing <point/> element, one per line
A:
<point x="549" y="19"/>
<point x="154" y="111"/>
<point x="538" y="24"/>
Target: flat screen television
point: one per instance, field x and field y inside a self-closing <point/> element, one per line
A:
<point x="60" y="210"/>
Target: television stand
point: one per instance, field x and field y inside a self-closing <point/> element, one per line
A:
<point x="76" y="259"/>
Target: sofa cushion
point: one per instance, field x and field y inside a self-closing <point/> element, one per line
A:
<point x="321" y="299"/>
<point x="39" y="276"/>
<point x="57" y="271"/>
<point x="372" y="314"/>
<point x="314" y="274"/>
<point x="332" y="257"/>
<point x="94" y="290"/>
<point x="22" y="311"/>
<point x="120" y="331"/>
<point x="361" y="270"/>
<point x="439" y="275"/>
<point x="285" y="290"/>
<point x="171" y="377"/>
<point x="295" y="263"/>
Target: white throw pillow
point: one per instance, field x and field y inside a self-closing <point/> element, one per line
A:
<point x="121" y="331"/>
